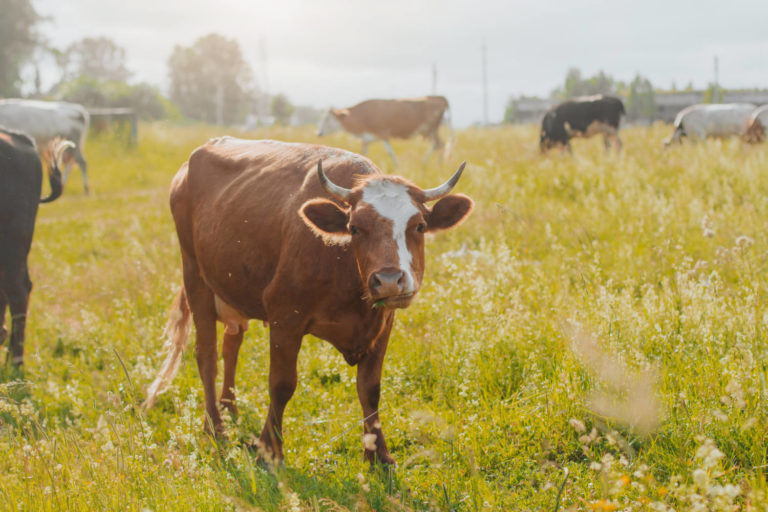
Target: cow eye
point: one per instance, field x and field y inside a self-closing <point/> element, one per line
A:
<point x="421" y="227"/>
<point x="353" y="230"/>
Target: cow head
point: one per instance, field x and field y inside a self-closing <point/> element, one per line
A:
<point x="384" y="220"/>
<point x="553" y="132"/>
<point x="676" y="137"/>
<point x="329" y="122"/>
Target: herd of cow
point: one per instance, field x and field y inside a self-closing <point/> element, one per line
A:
<point x="587" y="116"/>
<point x="308" y="239"/>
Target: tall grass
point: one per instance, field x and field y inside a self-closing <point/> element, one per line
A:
<point x="607" y="317"/>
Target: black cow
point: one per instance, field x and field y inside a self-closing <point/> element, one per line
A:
<point x="21" y="181"/>
<point x="582" y="117"/>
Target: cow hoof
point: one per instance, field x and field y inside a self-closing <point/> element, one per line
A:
<point x="229" y="405"/>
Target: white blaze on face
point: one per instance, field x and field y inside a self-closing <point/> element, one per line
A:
<point x="392" y="201"/>
<point x="328" y="124"/>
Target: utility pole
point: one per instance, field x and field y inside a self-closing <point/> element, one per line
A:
<point x="485" y="85"/>
<point x="434" y="78"/>
<point x="716" y="98"/>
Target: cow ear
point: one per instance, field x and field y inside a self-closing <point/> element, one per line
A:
<point x="340" y="113"/>
<point x="449" y="211"/>
<point x="326" y="220"/>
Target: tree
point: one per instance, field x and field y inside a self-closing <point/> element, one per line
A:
<point x="96" y="57"/>
<point x="143" y="98"/>
<point x="18" y="40"/>
<point x="210" y="80"/>
<point x="281" y="109"/>
<point x="575" y="85"/>
<point x="641" y="102"/>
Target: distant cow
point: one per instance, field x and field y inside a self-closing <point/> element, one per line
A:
<point x="698" y="122"/>
<point x="386" y="119"/>
<point x="758" y="121"/>
<point x="582" y="117"/>
<point x="46" y="120"/>
<point x="21" y="180"/>
<point x="265" y="233"/>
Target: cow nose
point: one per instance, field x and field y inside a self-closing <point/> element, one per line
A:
<point x="387" y="283"/>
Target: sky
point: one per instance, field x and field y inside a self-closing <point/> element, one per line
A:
<point x="327" y="53"/>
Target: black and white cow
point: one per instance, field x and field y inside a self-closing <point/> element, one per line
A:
<point x="46" y="120"/>
<point x="582" y="117"/>
<point x="21" y="180"/>
<point x="720" y="120"/>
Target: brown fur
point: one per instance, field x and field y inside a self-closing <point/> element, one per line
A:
<point x="399" y="119"/>
<point x="755" y="132"/>
<point x="254" y="224"/>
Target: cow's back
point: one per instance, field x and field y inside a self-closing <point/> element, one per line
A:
<point x="44" y="120"/>
<point x="402" y="118"/>
<point x="236" y="207"/>
<point x="716" y="120"/>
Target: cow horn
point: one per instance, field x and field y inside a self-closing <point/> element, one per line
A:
<point x="332" y="188"/>
<point x="443" y="190"/>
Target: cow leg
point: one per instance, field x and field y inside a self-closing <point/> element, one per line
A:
<point x="390" y="151"/>
<point x="369" y="393"/>
<point x="229" y="350"/>
<point x="617" y="142"/>
<point x="3" y="306"/>
<point x="436" y="144"/>
<point x="284" y="348"/>
<point x="201" y="303"/>
<point x="17" y="294"/>
<point x="83" y="168"/>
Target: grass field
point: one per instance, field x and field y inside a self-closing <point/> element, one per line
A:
<point x="607" y="321"/>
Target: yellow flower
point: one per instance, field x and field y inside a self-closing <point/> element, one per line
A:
<point x="606" y="506"/>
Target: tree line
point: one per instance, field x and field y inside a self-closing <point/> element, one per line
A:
<point x="639" y="94"/>
<point x="210" y="80"/>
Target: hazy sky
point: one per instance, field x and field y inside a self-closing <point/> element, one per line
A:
<point x="339" y="52"/>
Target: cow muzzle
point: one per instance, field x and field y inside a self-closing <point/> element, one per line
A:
<point x="391" y="288"/>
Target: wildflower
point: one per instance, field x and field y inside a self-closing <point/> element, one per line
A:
<point x="706" y="227"/>
<point x="744" y="242"/>
<point x="577" y="425"/>
<point x="603" y="505"/>
<point x="700" y="478"/>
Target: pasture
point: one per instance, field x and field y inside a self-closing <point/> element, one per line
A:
<point x="607" y="316"/>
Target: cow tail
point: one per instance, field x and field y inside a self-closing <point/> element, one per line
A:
<point x="176" y="337"/>
<point x="55" y="152"/>
<point x="451" y="136"/>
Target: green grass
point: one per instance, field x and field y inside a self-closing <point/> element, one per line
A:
<point x="603" y="291"/>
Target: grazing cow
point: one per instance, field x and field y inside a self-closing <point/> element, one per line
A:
<point x="723" y="120"/>
<point x="758" y="121"/>
<point x="21" y="180"/>
<point x="46" y="120"/>
<point x="386" y="119"/>
<point x="265" y="233"/>
<point x="582" y="117"/>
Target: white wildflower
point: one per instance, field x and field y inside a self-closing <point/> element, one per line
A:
<point x="577" y="425"/>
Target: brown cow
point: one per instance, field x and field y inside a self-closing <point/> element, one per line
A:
<point x="386" y="119"/>
<point x="266" y="234"/>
